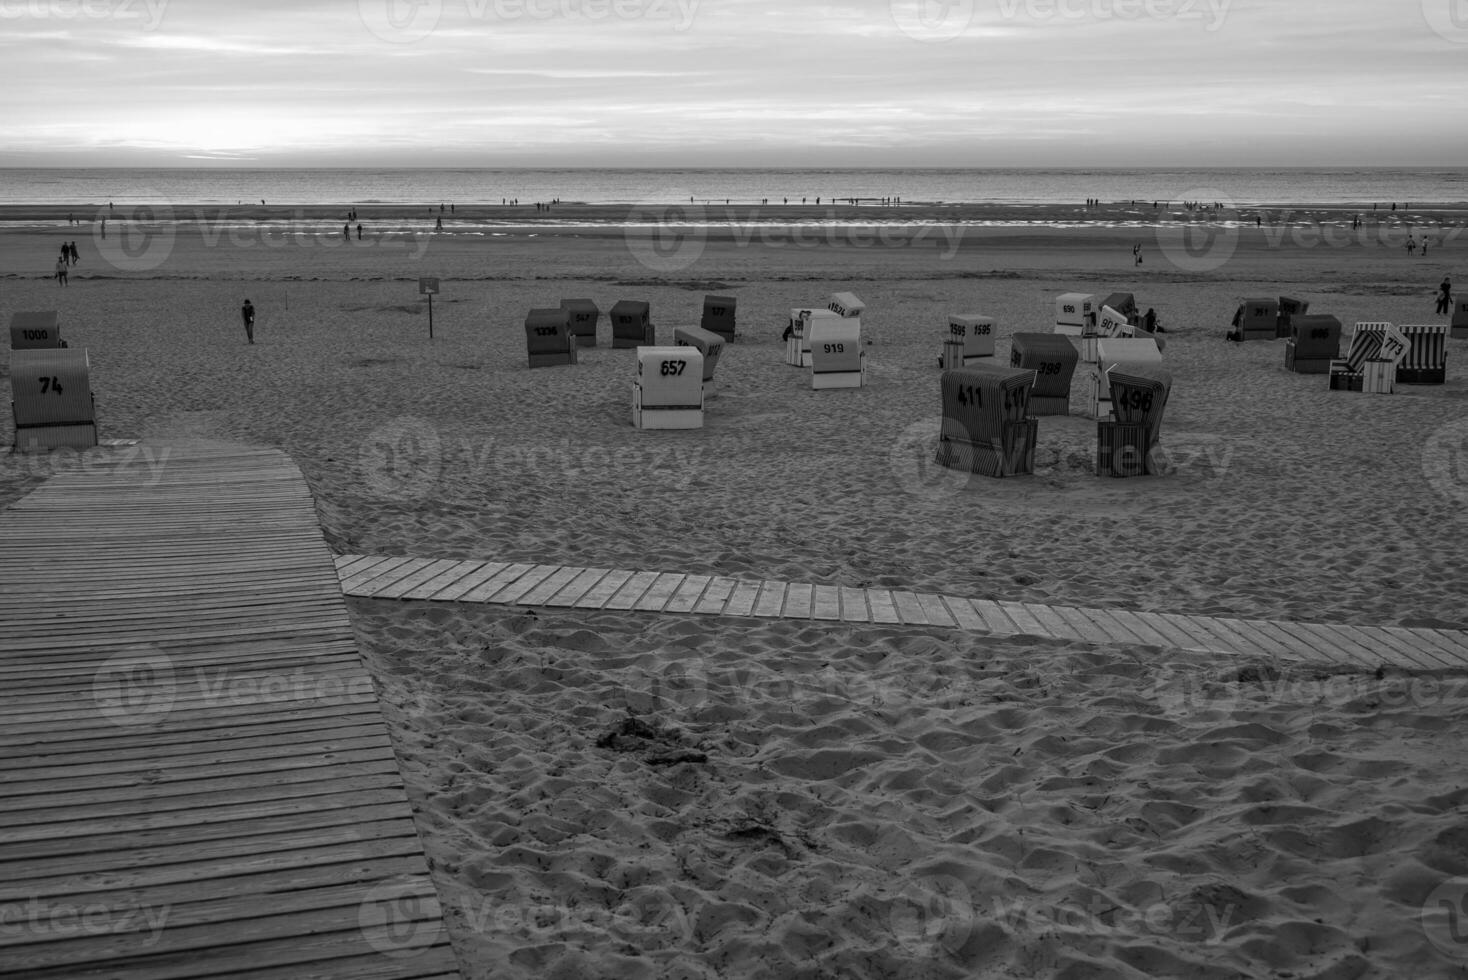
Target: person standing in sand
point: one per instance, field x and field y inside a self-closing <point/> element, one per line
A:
<point x="1445" y="295"/>
<point x="61" y="269"/>
<point x="247" y="313"/>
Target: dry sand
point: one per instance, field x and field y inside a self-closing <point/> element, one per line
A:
<point x="814" y="800"/>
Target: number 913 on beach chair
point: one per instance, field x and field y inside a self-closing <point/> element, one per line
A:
<point x="548" y="338"/>
<point x="33" y="331"/>
<point x="1125" y="443"/>
<point x="668" y="392"/>
<point x="987" y="428"/>
<point x="632" y="324"/>
<point x="52" y="401"/>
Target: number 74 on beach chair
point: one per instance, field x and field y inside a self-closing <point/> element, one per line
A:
<point x="53" y="404"/>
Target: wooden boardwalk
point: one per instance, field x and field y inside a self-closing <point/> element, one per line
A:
<point x="378" y="577"/>
<point x="195" y="778"/>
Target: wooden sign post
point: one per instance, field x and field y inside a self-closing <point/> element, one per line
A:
<point x="428" y="286"/>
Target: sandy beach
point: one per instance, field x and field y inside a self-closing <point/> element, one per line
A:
<point x="629" y="795"/>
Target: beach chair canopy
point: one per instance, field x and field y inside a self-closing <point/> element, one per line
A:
<point x="835" y="344"/>
<point x="846" y="304"/>
<point x="548" y="331"/>
<point x="1051" y="356"/>
<point x="670" y="377"/>
<point x="34" y="330"/>
<point x="978" y="400"/>
<point x="708" y="343"/>
<point x="1315" y="335"/>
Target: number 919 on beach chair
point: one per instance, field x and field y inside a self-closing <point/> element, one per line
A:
<point x="668" y="392"/>
<point x="987" y="428"/>
<point x="836" y="357"/>
<point x="53" y="405"/>
<point x="548" y="338"/>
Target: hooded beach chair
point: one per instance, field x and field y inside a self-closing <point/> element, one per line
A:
<point x="836" y="356"/>
<point x="52" y="401"/>
<point x="632" y="324"/>
<point x="969" y="338"/>
<point x="1289" y="308"/>
<point x="1426" y="360"/>
<point x="709" y="344"/>
<point x="668" y="392"/>
<point x="585" y="315"/>
<point x="1370" y="363"/>
<point x="1075" y="314"/>
<point x="1458" y="326"/>
<point x="1125" y="443"/>
<point x="987" y="428"/>
<point x="718" y="316"/>
<point x="1053" y="359"/>
<point x="1315" y="341"/>
<point x="1111" y="351"/>
<point x="548" y="338"/>
<point x="35" y="331"/>
<point x="1257" y="319"/>
<point x="846" y="305"/>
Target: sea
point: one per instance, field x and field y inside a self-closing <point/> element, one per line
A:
<point x="218" y="186"/>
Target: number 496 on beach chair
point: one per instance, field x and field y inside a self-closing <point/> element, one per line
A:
<point x="53" y="404"/>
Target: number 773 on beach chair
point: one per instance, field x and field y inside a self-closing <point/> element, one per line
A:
<point x="668" y="392"/>
<point x="53" y="404"/>
<point x="1371" y="362"/>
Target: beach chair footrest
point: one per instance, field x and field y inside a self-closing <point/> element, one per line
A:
<point x="1013" y="454"/>
<point x="1121" y="449"/>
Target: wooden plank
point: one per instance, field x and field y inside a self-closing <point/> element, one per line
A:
<point x="426" y="572"/>
<point x="513" y="591"/>
<point x="631" y="591"/>
<point x="471" y="580"/>
<point x="909" y="608"/>
<point x="771" y="599"/>
<point x="689" y="591"/>
<point x="994" y="615"/>
<point x="603" y="590"/>
<point x="854" y="605"/>
<point x="714" y="596"/>
<point x="577" y="587"/>
<point x="826" y="602"/>
<point x="1428" y="643"/>
<point x="1178" y="638"/>
<point x="797" y="601"/>
<point x="1325" y="649"/>
<point x="1139" y="627"/>
<point x="496" y="583"/>
<point x="661" y="590"/>
<point x="1401" y="652"/>
<point x="1024" y="620"/>
<point x="884" y="609"/>
<point x="552" y="584"/>
<point x="742" y="599"/>
<point x="1045" y="621"/>
<point x="936" y="612"/>
<point x="446" y="580"/>
<point x="1109" y="624"/>
<point x="1082" y="624"/>
<point x="964" y="614"/>
<point x="1271" y="642"/>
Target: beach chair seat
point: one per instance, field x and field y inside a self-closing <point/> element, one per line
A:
<point x="1053" y="358"/>
<point x="585" y="315"/>
<point x="35" y="330"/>
<point x="987" y="428"/>
<point x="837" y="359"/>
<point x="1289" y="308"/>
<point x="1458" y="325"/>
<point x="709" y="344"/>
<point x="52" y="402"/>
<point x="1370" y="363"/>
<point x="668" y="392"/>
<point x="718" y="316"/>
<point x="1426" y="359"/>
<point x="1125" y="443"/>
<point x="1256" y="319"/>
<point x="631" y="324"/>
<point x="548" y="338"/>
<point x="1075" y="314"/>
<point x="970" y="337"/>
<point x="1315" y="341"/>
<point x="1111" y="351"/>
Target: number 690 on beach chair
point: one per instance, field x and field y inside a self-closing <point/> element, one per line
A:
<point x="668" y="392"/>
<point x="53" y="404"/>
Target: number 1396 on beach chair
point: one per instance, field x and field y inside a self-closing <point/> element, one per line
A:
<point x="668" y="392"/>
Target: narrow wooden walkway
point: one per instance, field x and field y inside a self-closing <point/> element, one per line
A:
<point x="195" y="779"/>
<point x="446" y="580"/>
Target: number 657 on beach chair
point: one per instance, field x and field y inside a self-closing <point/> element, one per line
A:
<point x="668" y="392"/>
<point x="53" y="404"/>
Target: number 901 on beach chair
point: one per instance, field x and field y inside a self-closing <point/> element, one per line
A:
<point x="668" y="392"/>
<point x="34" y="331"/>
<point x="548" y="338"/>
<point x="987" y="428"/>
<point x="52" y="400"/>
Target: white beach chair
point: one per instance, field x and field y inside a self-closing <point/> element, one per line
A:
<point x="1370" y="365"/>
<point x="1075" y="314"/>
<point x="970" y="337"/>
<point x="52" y="401"/>
<point x="708" y="343"/>
<point x="668" y="392"/>
<point x="1111" y="351"/>
<point x="836" y="356"/>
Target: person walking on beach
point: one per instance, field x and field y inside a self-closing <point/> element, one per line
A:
<point x="75" y="257"/>
<point x="61" y="270"/>
<point x="247" y="313"/>
<point x="1445" y="296"/>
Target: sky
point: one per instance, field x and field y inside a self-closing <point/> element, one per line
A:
<point x="578" y="83"/>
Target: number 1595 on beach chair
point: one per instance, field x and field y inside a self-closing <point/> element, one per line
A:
<point x="53" y="404"/>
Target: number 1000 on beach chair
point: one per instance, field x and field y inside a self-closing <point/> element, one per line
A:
<point x="31" y="331"/>
<point x="53" y="404"/>
<point x="668" y="392"/>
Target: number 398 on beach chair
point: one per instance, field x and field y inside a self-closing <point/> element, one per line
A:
<point x="32" y="331"/>
<point x="987" y="428"/>
<point x="668" y="393"/>
<point x="53" y="404"/>
<point x="1053" y="359"/>
<point x="548" y="338"/>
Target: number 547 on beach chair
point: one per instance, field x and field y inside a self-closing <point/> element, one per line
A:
<point x="53" y="404"/>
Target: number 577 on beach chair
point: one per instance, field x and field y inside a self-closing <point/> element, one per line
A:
<point x="53" y="404"/>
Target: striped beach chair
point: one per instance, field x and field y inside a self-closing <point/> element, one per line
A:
<point x="52" y="401"/>
<point x="1053" y="359"/>
<point x="1315" y="341"/>
<point x="836" y="356"/>
<point x="718" y="316"/>
<point x="35" y="330"/>
<point x="1370" y="363"/>
<point x="969" y="338"/>
<point x="1426" y="361"/>
<point x="1125" y="443"/>
<point x="548" y="338"/>
<point x="585" y="315"/>
<point x="1111" y="351"/>
<point x="987" y="428"/>
<point x="1075" y="314"/>
<point x="709" y="344"/>
<point x="668" y="392"/>
<point x="632" y="324"/>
